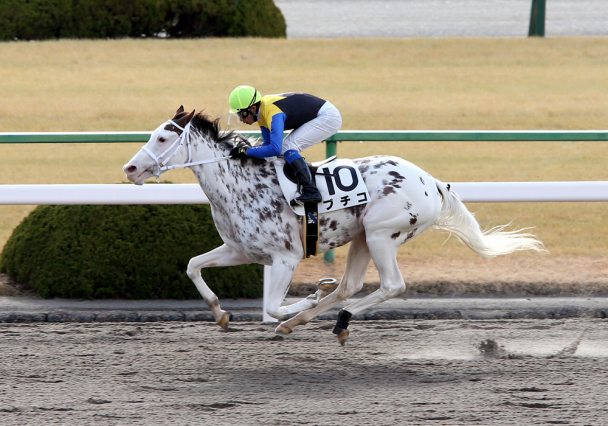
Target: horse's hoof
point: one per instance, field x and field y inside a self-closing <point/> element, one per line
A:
<point x="282" y="329"/>
<point x="224" y="321"/>
<point x="327" y="285"/>
<point x="342" y="336"/>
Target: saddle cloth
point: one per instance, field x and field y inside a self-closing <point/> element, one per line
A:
<point x="338" y="180"/>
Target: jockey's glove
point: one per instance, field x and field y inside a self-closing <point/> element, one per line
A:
<point x="239" y="152"/>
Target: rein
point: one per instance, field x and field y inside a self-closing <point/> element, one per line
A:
<point x="194" y="163"/>
<point x="170" y="152"/>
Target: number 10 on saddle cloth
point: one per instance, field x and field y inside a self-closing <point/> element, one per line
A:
<point x="339" y="182"/>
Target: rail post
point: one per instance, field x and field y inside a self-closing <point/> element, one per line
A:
<point x="330" y="150"/>
<point x="537" y="19"/>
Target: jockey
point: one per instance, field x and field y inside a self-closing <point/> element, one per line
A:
<point x="311" y="119"/>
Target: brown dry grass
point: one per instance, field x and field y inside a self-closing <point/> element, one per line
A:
<point x="515" y="276"/>
<point x="557" y="83"/>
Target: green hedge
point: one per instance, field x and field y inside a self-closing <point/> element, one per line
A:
<point x="225" y="18"/>
<point x="131" y="252"/>
<point x="50" y="19"/>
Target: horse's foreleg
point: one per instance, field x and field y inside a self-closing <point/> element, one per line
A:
<point x="306" y="303"/>
<point x="352" y="281"/>
<point x="281" y="272"/>
<point x="309" y="301"/>
<point x="221" y="256"/>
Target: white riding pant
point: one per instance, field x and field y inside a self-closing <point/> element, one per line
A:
<point x="327" y="122"/>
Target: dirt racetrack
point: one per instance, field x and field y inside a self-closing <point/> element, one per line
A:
<point x="390" y="372"/>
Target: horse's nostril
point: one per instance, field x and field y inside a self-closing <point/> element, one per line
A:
<point x="131" y="169"/>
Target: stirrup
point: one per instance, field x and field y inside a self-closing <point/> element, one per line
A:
<point x="318" y="198"/>
<point x="298" y="202"/>
<point x="302" y="202"/>
<point x="295" y="202"/>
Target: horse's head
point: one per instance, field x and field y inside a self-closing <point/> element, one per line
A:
<point x="163" y="146"/>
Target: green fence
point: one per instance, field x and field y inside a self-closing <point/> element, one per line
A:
<point x="343" y="136"/>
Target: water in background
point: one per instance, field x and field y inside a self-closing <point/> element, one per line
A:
<point x="439" y="18"/>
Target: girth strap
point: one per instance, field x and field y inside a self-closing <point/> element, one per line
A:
<point x="310" y="229"/>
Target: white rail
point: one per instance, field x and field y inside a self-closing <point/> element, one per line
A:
<point x="473" y="192"/>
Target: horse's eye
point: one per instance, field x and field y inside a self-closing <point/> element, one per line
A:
<point x="161" y="139"/>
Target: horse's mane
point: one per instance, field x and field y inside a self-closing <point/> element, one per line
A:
<point x="211" y="128"/>
<point x="202" y="123"/>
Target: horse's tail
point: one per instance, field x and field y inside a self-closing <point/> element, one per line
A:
<point x="457" y="219"/>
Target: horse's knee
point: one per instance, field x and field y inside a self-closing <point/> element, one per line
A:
<point x="393" y="290"/>
<point x="274" y="310"/>
<point x="193" y="271"/>
<point x="275" y="313"/>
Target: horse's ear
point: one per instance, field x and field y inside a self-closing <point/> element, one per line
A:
<point x="179" y="110"/>
<point x="182" y="121"/>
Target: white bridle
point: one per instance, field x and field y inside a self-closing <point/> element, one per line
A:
<point x="164" y="157"/>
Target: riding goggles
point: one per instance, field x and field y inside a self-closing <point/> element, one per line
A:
<point x="243" y="113"/>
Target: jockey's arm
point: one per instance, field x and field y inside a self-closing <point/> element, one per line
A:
<point x="265" y="136"/>
<point x="273" y="139"/>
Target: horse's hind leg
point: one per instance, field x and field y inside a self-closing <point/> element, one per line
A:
<point x="384" y="254"/>
<point x="221" y="256"/>
<point x="352" y="281"/>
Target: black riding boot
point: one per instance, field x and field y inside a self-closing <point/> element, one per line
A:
<point x="309" y="192"/>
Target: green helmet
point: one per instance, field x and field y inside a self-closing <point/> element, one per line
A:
<point x="242" y="97"/>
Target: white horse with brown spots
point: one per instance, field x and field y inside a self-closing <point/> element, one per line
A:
<point x="257" y="225"/>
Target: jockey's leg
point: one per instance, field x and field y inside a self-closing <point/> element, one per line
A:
<point x="327" y="122"/>
<point x="309" y="192"/>
<point x="351" y="283"/>
<point x="221" y="256"/>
